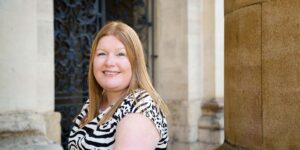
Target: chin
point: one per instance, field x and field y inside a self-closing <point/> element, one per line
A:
<point x="113" y="88"/>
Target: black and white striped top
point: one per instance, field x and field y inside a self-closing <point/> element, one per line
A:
<point x="95" y="137"/>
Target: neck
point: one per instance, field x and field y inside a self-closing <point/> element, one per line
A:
<point x="113" y="96"/>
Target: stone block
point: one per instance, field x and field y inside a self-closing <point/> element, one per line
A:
<point x="211" y="124"/>
<point x="53" y="129"/>
<point x="232" y="5"/>
<point x="42" y="147"/>
<point x="36" y="38"/>
<point x="183" y="121"/>
<point x="281" y="74"/>
<point x="226" y="146"/>
<point x="211" y="136"/>
<point x="186" y="134"/>
<point x="207" y="146"/>
<point x="22" y="140"/>
<point x="272" y="114"/>
<point x="184" y="113"/>
<point x="25" y="130"/>
<point x="213" y="107"/>
<point x="184" y="146"/>
<point x="178" y="112"/>
<point x="243" y="77"/>
<point x="171" y="63"/>
<point x="21" y="122"/>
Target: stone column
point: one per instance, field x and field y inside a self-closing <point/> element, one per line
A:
<point x="27" y="117"/>
<point x="211" y="126"/>
<point x="184" y="67"/>
<point x="262" y="74"/>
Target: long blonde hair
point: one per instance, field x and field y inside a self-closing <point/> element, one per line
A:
<point x="140" y="77"/>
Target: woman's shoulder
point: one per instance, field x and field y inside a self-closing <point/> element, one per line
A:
<point x="83" y="112"/>
<point x="140" y="98"/>
<point x="143" y="103"/>
<point x="86" y="104"/>
<point x="141" y="95"/>
<point x="84" y="108"/>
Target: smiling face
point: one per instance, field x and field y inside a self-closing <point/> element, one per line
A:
<point x="111" y="66"/>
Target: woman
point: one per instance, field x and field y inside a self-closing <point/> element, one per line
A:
<point x="123" y="111"/>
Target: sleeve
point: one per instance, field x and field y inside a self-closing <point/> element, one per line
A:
<point x="144" y="104"/>
<point x="82" y="113"/>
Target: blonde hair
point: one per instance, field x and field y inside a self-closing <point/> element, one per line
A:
<point x="140" y="78"/>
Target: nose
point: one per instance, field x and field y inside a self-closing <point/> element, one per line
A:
<point x="110" y="60"/>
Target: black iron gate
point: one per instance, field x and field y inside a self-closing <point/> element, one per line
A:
<point x="76" y="22"/>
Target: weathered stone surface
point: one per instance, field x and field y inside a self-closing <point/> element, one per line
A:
<point x="213" y="107"/>
<point x="27" y="81"/>
<point x="281" y="74"/>
<point x="205" y="52"/>
<point x="185" y="134"/>
<point x="53" y="129"/>
<point x="208" y="146"/>
<point x="27" y="75"/>
<point x="24" y="130"/>
<point x="185" y="64"/>
<point x="171" y="50"/>
<point x="211" y="136"/>
<point x="275" y="109"/>
<point x="211" y="125"/>
<point x="184" y="146"/>
<point x="183" y="121"/>
<point x="24" y="139"/>
<point x="232" y="5"/>
<point x="22" y="121"/>
<point x="243" y="76"/>
<point x="41" y="147"/>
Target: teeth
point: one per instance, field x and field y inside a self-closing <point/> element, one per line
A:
<point x="110" y="72"/>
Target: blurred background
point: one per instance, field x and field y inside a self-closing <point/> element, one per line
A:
<point x="45" y="48"/>
<point x="45" y="56"/>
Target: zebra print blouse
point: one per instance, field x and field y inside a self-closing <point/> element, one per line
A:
<point x="102" y="137"/>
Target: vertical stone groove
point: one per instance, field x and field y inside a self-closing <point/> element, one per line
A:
<point x="261" y="77"/>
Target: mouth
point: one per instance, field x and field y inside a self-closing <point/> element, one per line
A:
<point x="110" y="73"/>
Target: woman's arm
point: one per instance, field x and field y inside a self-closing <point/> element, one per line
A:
<point x="136" y="132"/>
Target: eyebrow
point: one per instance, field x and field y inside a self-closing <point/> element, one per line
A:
<point x="121" y="48"/>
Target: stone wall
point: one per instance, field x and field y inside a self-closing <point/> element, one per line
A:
<point x="185" y="71"/>
<point x="27" y="117"/>
<point x="262" y="74"/>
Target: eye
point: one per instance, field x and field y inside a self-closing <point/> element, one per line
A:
<point x="121" y="54"/>
<point x="101" y="54"/>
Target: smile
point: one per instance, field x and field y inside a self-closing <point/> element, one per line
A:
<point x="110" y="73"/>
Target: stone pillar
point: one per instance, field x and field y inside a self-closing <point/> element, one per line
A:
<point x="185" y="66"/>
<point x="211" y="126"/>
<point x="27" y="117"/>
<point x="262" y="75"/>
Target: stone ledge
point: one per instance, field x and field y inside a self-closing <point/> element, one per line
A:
<point x="36" y="147"/>
<point x="21" y="122"/>
<point x="212" y="115"/>
<point x="42" y="147"/>
<point x="212" y="107"/>
<point x="211" y="122"/>
<point x="53" y="127"/>
<point x="28" y="142"/>
<point x="21" y="130"/>
<point x="228" y="146"/>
